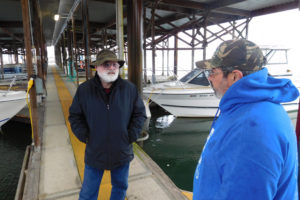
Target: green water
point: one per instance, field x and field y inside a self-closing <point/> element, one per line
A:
<point x="175" y="144"/>
<point x="13" y="141"/>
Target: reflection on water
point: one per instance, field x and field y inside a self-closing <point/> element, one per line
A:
<point x="13" y="141"/>
<point x="175" y="144"/>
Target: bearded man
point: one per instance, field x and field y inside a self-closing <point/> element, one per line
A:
<point x="107" y="114"/>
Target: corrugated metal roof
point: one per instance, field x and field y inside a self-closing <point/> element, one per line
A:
<point x="169" y="14"/>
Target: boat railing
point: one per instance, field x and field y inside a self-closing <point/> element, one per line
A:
<point x="10" y="85"/>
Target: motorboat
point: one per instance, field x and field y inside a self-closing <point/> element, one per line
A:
<point x="11" y="102"/>
<point x="192" y="95"/>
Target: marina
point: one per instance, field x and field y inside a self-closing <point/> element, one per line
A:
<point x="47" y="48"/>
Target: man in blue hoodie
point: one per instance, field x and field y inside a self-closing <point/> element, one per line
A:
<point x="251" y="151"/>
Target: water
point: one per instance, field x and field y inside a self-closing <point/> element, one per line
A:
<point x="175" y="144"/>
<point x="14" y="138"/>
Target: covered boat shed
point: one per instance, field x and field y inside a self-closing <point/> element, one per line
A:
<point x="132" y="28"/>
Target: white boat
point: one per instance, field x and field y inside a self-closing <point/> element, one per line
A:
<point x="192" y="95"/>
<point x="11" y="102"/>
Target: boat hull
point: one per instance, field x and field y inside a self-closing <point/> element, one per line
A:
<point x="187" y="105"/>
<point x="11" y="104"/>
<point x="197" y="104"/>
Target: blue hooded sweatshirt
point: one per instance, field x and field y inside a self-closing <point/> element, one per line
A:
<point x="251" y="151"/>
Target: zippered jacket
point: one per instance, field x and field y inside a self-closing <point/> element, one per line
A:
<point x="251" y="151"/>
<point x="107" y="124"/>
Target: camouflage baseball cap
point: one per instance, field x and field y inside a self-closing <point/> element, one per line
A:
<point x="104" y="56"/>
<point x="240" y="54"/>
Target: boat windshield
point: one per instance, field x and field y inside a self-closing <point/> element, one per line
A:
<point x="201" y="79"/>
<point x="276" y="56"/>
<point x="190" y="75"/>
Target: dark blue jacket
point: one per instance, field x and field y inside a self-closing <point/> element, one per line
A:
<point x="107" y="124"/>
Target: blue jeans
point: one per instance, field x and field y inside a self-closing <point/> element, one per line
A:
<point x="92" y="179"/>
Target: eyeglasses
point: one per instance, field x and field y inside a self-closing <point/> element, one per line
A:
<point x="212" y="72"/>
<point x="106" y="65"/>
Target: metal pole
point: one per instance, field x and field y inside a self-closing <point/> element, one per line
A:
<point x="70" y="49"/>
<point x="153" y="43"/>
<point x="64" y="52"/>
<point x="175" y="54"/>
<point x="16" y="57"/>
<point x="85" y="20"/>
<point x="168" y="56"/>
<point x="75" y="49"/>
<point x="193" y="48"/>
<point x="120" y="33"/>
<point x="204" y="39"/>
<point x="135" y="39"/>
<point x="27" y="41"/>
<point x="145" y="51"/>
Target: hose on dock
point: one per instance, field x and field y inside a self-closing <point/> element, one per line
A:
<point x="29" y="86"/>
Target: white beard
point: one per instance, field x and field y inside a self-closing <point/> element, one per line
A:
<point x="108" y="78"/>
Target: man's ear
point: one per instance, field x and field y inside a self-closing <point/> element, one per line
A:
<point x="237" y="75"/>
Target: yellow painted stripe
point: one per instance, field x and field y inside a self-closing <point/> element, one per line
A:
<point x="188" y="194"/>
<point x="78" y="147"/>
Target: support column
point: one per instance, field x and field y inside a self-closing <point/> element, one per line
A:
<point x="193" y="48"/>
<point x="153" y="44"/>
<point x="175" y="54"/>
<point x="120" y="33"/>
<point x="75" y="50"/>
<point x="63" y="49"/>
<point x="27" y="41"/>
<point x="204" y="39"/>
<point x="86" y="38"/>
<point x="70" y="51"/>
<point x="16" y="56"/>
<point x="135" y="38"/>
<point x="2" y="68"/>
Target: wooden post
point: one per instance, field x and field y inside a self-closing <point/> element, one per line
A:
<point x="27" y="41"/>
<point x="135" y="39"/>
<point x="2" y="68"/>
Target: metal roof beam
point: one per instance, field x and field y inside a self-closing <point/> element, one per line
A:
<point x="218" y="9"/>
<point x="274" y="9"/>
<point x="170" y="18"/>
<point x="233" y="11"/>
<point x="185" y="4"/>
<point x="11" y="34"/>
<point x="221" y="4"/>
<point x="11" y="24"/>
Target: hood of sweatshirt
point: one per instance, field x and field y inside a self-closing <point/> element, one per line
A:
<point x="257" y="87"/>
